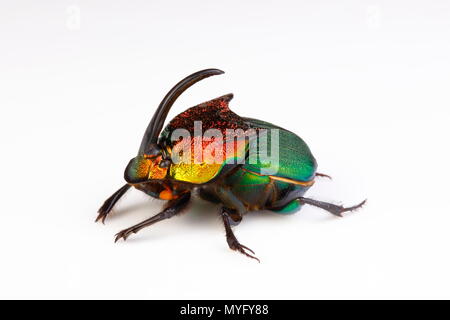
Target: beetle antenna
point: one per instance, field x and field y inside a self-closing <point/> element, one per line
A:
<point x="155" y="126"/>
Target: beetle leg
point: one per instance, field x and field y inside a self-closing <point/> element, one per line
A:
<point x="332" y="208"/>
<point x="173" y="207"/>
<point x="105" y="209"/>
<point x="233" y="243"/>
<point x="234" y="218"/>
<point x="323" y="175"/>
<point x="230" y="200"/>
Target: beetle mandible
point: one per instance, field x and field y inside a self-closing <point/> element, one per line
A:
<point x="239" y="186"/>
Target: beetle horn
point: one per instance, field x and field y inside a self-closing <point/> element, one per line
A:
<point x="154" y="127"/>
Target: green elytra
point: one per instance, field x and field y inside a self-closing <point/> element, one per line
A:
<point x="238" y="188"/>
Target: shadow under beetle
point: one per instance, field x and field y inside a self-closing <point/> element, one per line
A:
<point x="238" y="186"/>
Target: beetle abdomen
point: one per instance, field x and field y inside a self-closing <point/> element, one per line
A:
<point x="259" y="192"/>
<point x="290" y="208"/>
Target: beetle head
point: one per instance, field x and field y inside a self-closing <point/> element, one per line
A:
<point x="146" y="167"/>
<point x="152" y="161"/>
<point x="147" y="173"/>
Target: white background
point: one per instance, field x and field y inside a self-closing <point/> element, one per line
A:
<point x="365" y="83"/>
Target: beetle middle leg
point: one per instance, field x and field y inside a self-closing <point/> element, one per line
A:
<point x="330" y="207"/>
<point x="233" y="242"/>
<point x="107" y="206"/>
<point x="173" y="207"/>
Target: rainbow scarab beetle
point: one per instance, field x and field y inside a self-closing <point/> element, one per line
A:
<point x="170" y="167"/>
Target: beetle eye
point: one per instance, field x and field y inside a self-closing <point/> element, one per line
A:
<point x="164" y="164"/>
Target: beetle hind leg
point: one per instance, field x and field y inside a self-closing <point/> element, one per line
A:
<point x="330" y="207"/>
<point x="107" y="206"/>
<point x="323" y="175"/>
<point x="232" y="241"/>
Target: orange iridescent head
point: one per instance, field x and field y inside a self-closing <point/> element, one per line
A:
<point x="144" y="168"/>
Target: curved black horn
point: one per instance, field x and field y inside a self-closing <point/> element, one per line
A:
<point x="157" y="122"/>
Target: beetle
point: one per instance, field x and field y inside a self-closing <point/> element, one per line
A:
<point x="239" y="186"/>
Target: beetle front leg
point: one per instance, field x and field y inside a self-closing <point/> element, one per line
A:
<point x="233" y="242"/>
<point x="107" y="206"/>
<point x="332" y="208"/>
<point x="173" y="207"/>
